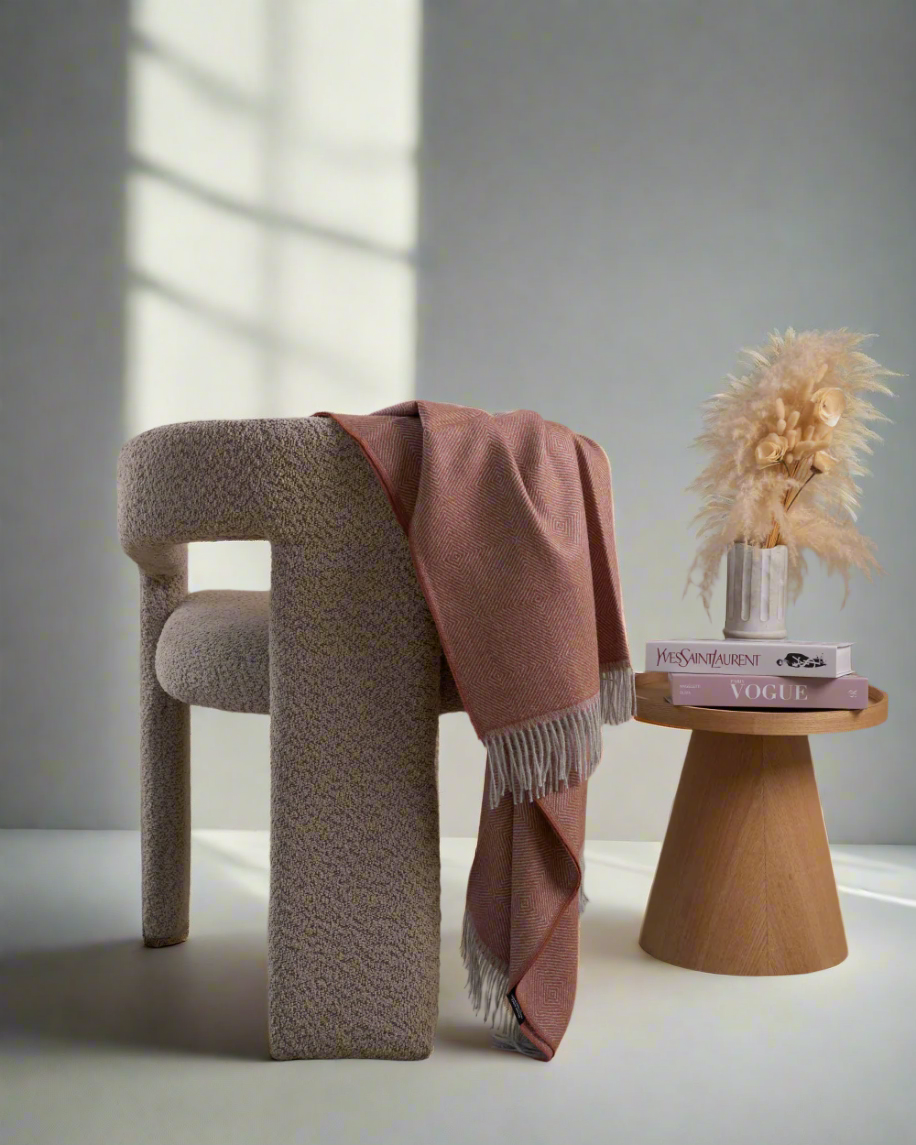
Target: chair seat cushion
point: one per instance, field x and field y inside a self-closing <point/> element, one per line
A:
<point x="214" y="651"/>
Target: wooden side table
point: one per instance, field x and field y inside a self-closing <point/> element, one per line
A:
<point x="744" y="883"/>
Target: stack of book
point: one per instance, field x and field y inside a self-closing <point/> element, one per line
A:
<point x="758" y="673"/>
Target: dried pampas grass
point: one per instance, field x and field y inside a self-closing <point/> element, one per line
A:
<point x="785" y="445"/>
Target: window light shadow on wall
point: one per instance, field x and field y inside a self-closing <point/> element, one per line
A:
<point x="271" y="201"/>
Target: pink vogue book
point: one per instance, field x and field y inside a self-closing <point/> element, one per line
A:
<point x="719" y="690"/>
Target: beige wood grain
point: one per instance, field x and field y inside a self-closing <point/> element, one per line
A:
<point x="653" y="707"/>
<point x="745" y="884"/>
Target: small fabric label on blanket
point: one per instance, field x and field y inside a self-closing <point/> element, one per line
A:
<point x="513" y="1002"/>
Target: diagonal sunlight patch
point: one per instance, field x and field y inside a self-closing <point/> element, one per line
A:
<point x="271" y="234"/>
<point x="242" y="856"/>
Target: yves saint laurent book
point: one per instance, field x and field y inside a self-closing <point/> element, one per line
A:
<point x="722" y="690"/>
<point x="750" y="657"/>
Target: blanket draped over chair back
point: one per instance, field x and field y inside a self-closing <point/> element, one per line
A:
<point x="510" y="523"/>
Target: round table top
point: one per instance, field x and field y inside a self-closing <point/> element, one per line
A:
<point x="653" y="707"/>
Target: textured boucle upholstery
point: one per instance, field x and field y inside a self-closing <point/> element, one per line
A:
<point x="213" y="652"/>
<point x="355" y="684"/>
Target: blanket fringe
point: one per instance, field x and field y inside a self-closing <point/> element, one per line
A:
<point x="488" y="986"/>
<point x="488" y="978"/>
<point x="583" y="897"/>
<point x="539" y="756"/>
<point x="618" y="693"/>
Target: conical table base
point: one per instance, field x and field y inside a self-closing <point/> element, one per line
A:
<point x="745" y="883"/>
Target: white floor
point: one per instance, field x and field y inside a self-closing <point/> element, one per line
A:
<point x="104" y="1041"/>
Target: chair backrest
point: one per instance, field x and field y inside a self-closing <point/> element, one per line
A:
<point x="274" y="479"/>
<point x="284" y="480"/>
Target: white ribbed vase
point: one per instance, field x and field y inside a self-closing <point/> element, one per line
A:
<point x="756" y="593"/>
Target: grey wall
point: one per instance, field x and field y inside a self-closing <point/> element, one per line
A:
<point x="68" y="690"/>
<point x="615" y="198"/>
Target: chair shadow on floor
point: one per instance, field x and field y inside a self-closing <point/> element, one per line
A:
<point x="207" y="996"/>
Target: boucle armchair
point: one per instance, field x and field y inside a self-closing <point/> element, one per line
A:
<point x="344" y="655"/>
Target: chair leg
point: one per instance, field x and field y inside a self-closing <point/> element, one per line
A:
<point x="353" y="942"/>
<point x="165" y="753"/>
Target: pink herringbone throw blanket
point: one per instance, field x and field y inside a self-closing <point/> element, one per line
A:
<point x="511" y="528"/>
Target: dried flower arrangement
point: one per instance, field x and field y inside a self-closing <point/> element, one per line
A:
<point x="785" y="445"/>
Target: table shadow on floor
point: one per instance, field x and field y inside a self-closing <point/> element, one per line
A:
<point x="611" y="934"/>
